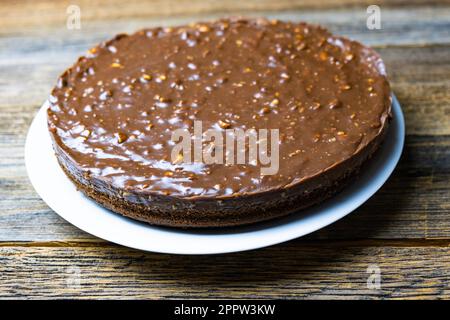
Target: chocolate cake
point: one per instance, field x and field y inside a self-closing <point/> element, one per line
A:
<point x="112" y="115"/>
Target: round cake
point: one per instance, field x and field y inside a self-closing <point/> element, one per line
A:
<point x="112" y="117"/>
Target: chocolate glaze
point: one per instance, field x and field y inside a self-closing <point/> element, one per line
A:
<point x="112" y="114"/>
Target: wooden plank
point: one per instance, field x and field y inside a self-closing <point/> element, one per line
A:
<point x="431" y="25"/>
<point x="294" y="270"/>
<point x="414" y="203"/>
<point x="35" y="13"/>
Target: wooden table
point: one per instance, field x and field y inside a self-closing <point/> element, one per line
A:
<point x="404" y="230"/>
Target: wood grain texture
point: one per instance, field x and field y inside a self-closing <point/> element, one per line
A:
<point x="27" y="14"/>
<point x="292" y="270"/>
<point x="404" y="228"/>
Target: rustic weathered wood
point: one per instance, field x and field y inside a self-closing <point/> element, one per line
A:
<point x="293" y="270"/>
<point x="430" y="26"/>
<point x="404" y="228"/>
<point x="26" y="14"/>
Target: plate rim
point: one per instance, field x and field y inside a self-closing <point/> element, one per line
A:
<point x="249" y="238"/>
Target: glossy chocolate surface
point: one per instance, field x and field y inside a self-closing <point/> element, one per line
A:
<point x="114" y="111"/>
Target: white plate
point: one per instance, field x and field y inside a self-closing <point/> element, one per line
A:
<point x="60" y="194"/>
